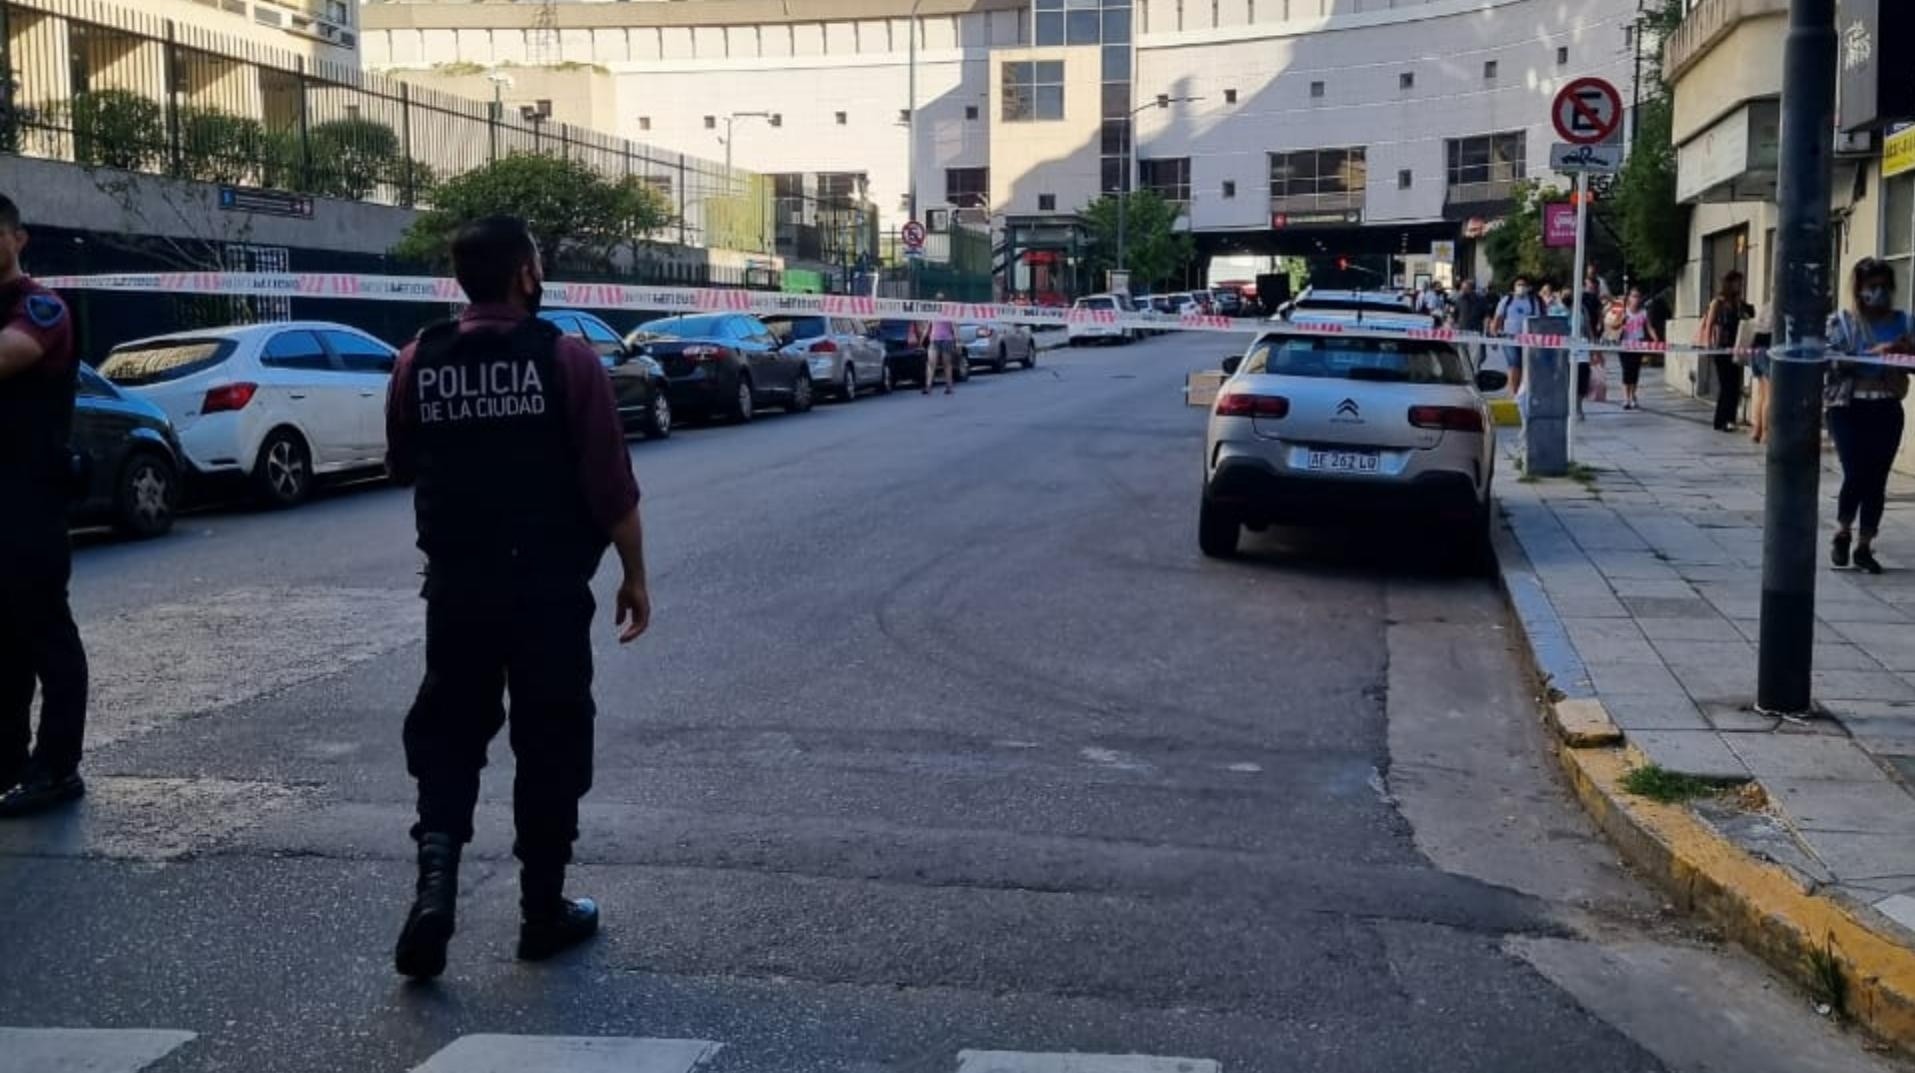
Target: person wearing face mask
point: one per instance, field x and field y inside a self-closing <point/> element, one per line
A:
<point x="1864" y="403"/>
<point x="1721" y="323"/>
<point x="509" y="433"/>
<point x="1512" y="318"/>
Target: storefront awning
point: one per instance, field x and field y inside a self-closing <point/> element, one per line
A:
<point x="1733" y="160"/>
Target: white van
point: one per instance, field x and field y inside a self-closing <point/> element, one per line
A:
<point x="1081" y="332"/>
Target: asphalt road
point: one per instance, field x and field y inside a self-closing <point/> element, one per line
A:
<point x="945" y="741"/>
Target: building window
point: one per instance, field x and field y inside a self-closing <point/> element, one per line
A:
<point x="1229" y="189"/>
<point x="1047" y="202"/>
<point x="970" y="111"/>
<point x="1318" y="180"/>
<point x="1316" y="90"/>
<point x="1629" y="36"/>
<point x="904" y="117"/>
<point x="967" y="188"/>
<point x="1033" y="91"/>
<point x="1230" y="96"/>
<point x="841" y="118"/>
<point x="840" y="189"/>
<point x="1406" y="80"/>
<point x="711" y="122"/>
<point x="1562" y="56"/>
<point x="1489" y="70"/>
<point x="1485" y="168"/>
<point x="1169" y="177"/>
<point x="644" y="122"/>
<point x="1405" y="179"/>
<point x="1898" y="237"/>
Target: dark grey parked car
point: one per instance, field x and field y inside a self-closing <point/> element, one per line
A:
<point x="129" y="459"/>
<point x="725" y="365"/>
<point x="638" y="381"/>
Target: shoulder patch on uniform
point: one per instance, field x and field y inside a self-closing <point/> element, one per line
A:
<point x="45" y="310"/>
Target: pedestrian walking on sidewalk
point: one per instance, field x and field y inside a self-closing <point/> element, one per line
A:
<point x="509" y="433"/>
<point x="1637" y="327"/>
<point x="1512" y="318"/>
<point x="1761" y="338"/>
<point x="38" y="478"/>
<point x="940" y="350"/>
<point x="1865" y="408"/>
<point x="1721" y="323"/>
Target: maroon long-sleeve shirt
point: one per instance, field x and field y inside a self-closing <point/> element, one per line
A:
<point x="591" y="413"/>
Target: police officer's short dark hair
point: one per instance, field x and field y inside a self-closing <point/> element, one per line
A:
<point x="487" y="255"/>
<point x="9" y="214"/>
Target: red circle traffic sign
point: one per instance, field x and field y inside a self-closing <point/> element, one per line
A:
<point x="1588" y="111"/>
<point x="913" y="233"/>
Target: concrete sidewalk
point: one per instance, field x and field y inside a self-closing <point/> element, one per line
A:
<point x="1639" y="584"/>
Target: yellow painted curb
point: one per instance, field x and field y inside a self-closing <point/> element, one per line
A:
<point x="1584" y="723"/>
<point x="1505" y="412"/>
<point x="1756" y="904"/>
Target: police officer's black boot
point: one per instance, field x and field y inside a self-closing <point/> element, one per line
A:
<point x="421" y="953"/>
<point x="552" y="923"/>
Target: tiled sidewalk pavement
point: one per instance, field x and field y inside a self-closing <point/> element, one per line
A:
<point x="1652" y="564"/>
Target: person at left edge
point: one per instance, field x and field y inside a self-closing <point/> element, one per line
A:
<point x="509" y="433"/>
<point x="38" y="641"/>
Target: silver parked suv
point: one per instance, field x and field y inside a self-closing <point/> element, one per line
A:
<point x="1329" y="428"/>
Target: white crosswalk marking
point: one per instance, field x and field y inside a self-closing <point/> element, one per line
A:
<point x="85" y="1050"/>
<point x="569" y="1054"/>
<point x="1029" y="1062"/>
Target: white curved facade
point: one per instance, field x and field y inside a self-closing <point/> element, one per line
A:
<point x="1400" y="79"/>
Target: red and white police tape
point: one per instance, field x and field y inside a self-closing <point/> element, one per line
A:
<point x="374" y="288"/>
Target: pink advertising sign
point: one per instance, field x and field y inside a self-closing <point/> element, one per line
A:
<point x="1559" y="225"/>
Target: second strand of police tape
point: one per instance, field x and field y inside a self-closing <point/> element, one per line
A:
<point x="684" y="300"/>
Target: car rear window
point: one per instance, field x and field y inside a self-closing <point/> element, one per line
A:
<point x="1096" y="303"/>
<point x="1349" y="305"/>
<point x="137" y="364"/>
<point x="785" y="329"/>
<point x="1402" y="361"/>
<point x="686" y="327"/>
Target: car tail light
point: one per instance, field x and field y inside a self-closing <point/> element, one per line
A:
<point x="1245" y="404"/>
<point x="1447" y="418"/>
<point x="703" y="353"/>
<point x="824" y="346"/>
<point x="228" y="397"/>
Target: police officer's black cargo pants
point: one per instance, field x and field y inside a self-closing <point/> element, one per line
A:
<point x="483" y="640"/>
<point x="39" y="643"/>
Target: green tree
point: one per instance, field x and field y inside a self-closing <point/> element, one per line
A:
<point x="1154" y="250"/>
<point x="575" y="213"/>
<point x="1651" y="224"/>
<point x="218" y="147"/>
<point x="1516" y="246"/>
<point x="117" y="128"/>
<point x="640" y="210"/>
<point x="351" y="157"/>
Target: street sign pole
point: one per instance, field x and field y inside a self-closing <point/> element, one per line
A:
<point x="1785" y="656"/>
<point x="1577" y="328"/>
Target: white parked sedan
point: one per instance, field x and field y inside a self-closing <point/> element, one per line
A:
<point x="279" y="403"/>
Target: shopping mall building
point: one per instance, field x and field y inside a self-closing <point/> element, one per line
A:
<point x="1371" y="129"/>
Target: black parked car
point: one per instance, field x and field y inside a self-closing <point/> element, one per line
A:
<point x="904" y="351"/>
<point x="129" y="459"/>
<point x="644" y="403"/>
<point x="725" y="365"/>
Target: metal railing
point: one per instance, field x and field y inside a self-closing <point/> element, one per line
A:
<point x="106" y="86"/>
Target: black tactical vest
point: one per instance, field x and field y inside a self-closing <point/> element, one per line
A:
<point x="497" y="479"/>
<point x="36" y="460"/>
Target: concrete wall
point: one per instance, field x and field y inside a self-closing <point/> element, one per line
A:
<point x="1058" y="157"/>
<point x="101" y="199"/>
<point x="585" y="96"/>
<point x="1744" y="64"/>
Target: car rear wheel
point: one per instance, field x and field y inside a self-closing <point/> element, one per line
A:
<point x="284" y="472"/>
<point x="147" y="496"/>
<point x="1003" y="359"/>
<point x="658" y="423"/>
<point x="1030" y="355"/>
<point x="800" y="396"/>
<point x="885" y="383"/>
<point x="743" y="406"/>
<point x="849" y="392"/>
<point x="963" y="368"/>
<point x="1217" y="531"/>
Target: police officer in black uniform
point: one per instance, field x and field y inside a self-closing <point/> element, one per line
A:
<point x="510" y="434"/>
<point x="38" y="641"/>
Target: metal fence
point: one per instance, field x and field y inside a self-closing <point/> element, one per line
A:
<point x="106" y="86"/>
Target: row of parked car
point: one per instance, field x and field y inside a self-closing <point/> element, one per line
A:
<point x="1159" y="307"/>
<point x="282" y="406"/>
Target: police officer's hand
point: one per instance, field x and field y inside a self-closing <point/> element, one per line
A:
<point x="634" y="614"/>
